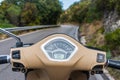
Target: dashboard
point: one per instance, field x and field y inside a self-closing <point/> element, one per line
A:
<point x="59" y="49"/>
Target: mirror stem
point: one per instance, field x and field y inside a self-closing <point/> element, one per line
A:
<point x="19" y="43"/>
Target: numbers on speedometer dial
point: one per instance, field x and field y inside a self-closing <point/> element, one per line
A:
<point x="59" y="44"/>
<point x="59" y="49"/>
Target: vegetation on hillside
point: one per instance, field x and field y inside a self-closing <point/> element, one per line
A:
<point x="88" y="13"/>
<point x="113" y="42"/>
<point x="79" y="12"/>
<point x="89" y="10"/>
<point x="29" y="12"/>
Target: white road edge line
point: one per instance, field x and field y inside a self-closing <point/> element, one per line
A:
<point x="76" y="34"/>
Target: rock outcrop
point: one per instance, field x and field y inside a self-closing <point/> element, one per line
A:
<point x="111" y="21"/>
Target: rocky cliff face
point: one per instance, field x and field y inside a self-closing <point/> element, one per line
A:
<point x="111" y="21"/>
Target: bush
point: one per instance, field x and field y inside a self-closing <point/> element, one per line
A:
<point x="83" y="11"/>
<point x="113" y="42"/>
<point x="76" y="13"/>
<point x="92" y="14"/>
<point x="5" y="25"/>
<point x="113" y="39"/>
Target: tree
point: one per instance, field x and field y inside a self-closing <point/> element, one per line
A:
<point x="49" y="11"/>
<point x="4" y="23"/>
<point x="12" y="14"/>
<point x="31" y="12"/>
<point x="29" y="15"/>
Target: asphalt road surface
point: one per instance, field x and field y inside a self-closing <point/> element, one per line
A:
<point x="33" y="37"/>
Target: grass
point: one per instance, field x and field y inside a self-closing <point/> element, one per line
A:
<point x="6" y="25"/>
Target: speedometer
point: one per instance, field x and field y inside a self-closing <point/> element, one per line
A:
<point x="59" y="49"/>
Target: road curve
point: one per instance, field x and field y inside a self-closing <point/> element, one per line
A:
<point x="5" y="45"/>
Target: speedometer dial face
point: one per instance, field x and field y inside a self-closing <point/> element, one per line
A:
<point x="59" y="49"/>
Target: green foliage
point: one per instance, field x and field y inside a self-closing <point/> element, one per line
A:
<point x="1" y="15"/>
<point x="83" y="11"/>
<point x="5" y="25"/>
<point x="30" y="12"/>
<point x="29" y="15"/>
<point x="108" y="5"/>
<point x="118" y="6"/>
<point x="76" y="13"/>
<point x="49" y="11"/>
<point x="13" y="13"/>
<point x="92" y="14"/>
<point x="89" y="10"/>
<point x="113" y="40"/>
<point x="63" y="18"/>
<point x="80" y="13"/>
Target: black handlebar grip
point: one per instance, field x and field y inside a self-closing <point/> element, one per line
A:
<point x="4" y="59"/>
<point x="113" y="64"/>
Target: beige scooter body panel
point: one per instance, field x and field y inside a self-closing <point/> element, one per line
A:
<point x="42" y="75"/>
<point x="33" y="57"/>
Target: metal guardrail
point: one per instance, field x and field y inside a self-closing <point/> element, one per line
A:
<point x="30" y="27"/>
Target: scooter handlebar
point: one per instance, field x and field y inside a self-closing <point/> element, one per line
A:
<point x="110" y="63"/>
<point x="113" y="64"/>
<point x="4" y="59"/>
